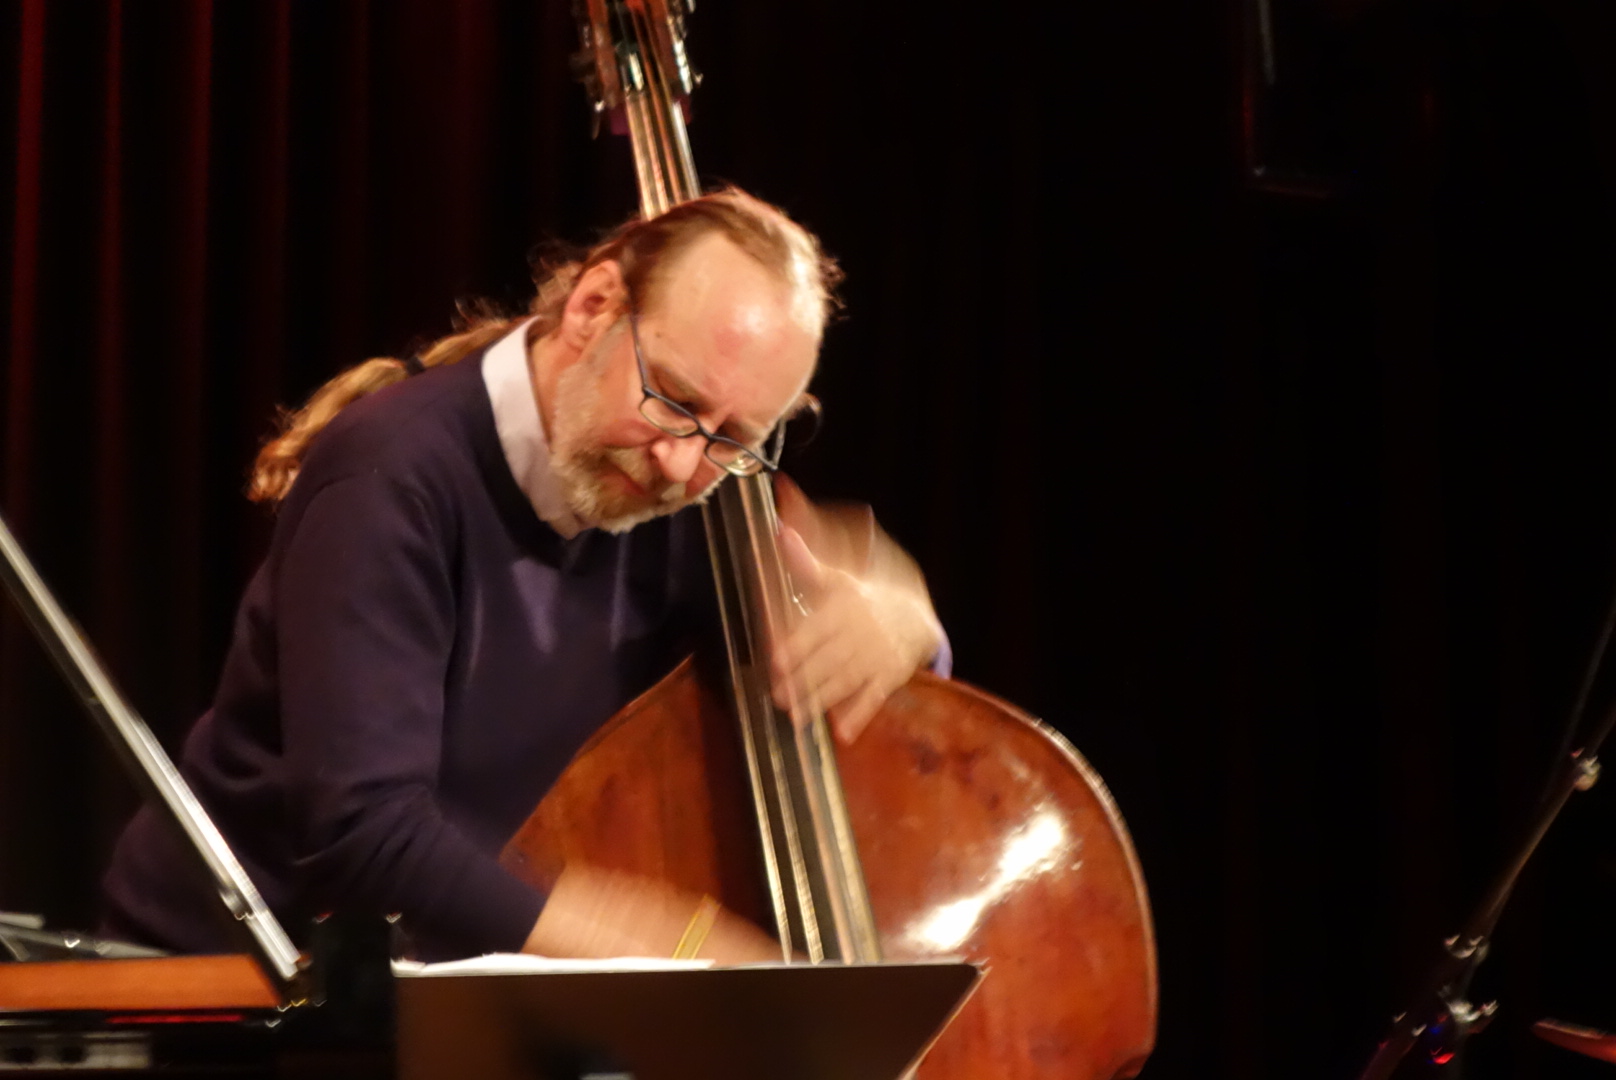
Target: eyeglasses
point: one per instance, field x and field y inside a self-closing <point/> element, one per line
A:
<point x="669" y="416"/>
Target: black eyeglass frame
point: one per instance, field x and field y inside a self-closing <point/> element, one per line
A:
<point x="743" y="453"/>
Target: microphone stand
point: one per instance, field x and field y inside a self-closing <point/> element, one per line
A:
<point x="1440" y="1015"/>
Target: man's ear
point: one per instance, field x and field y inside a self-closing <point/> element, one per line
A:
<point x="596" y="302"/>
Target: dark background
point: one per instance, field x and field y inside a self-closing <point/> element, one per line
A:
<point x="1241" y="380"/>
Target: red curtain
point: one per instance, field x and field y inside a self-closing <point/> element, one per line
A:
<point x="214" y="207"/>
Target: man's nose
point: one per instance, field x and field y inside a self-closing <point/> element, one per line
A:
<point x="679" y="458"/>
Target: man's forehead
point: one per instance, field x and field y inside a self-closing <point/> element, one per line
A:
<point x="723" y="317"/>
<point x="751" y="384"/>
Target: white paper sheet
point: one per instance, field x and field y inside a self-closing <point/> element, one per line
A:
<point x="526" y="964"/>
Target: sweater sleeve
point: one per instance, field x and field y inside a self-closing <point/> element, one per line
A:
<point x="366" y="617"/>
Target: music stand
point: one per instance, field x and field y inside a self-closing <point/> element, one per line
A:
<point x="778" y="1021"/>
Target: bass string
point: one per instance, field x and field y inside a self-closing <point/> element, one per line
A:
<point x="801" y="810"/>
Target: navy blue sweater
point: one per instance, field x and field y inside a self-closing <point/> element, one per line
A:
<point x="412" y="666"/>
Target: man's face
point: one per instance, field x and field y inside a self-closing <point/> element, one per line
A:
<point x="722" y="338"/>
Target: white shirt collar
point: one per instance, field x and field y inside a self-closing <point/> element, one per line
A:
<point x="509" y="382"/>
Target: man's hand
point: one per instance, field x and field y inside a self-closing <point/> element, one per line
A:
<point x="600" y="913"/>
<point x="867" y="624"/>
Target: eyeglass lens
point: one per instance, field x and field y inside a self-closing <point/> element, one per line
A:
<point x="728" y="456"/>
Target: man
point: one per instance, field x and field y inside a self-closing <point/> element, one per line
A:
<point x="474" y="569"/>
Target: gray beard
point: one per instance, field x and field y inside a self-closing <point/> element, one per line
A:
<point x="581" y="468"/>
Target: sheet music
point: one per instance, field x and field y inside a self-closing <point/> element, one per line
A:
<point x="527" y="964"/>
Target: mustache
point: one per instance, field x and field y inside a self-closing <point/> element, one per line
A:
<point x="640" y="470"/>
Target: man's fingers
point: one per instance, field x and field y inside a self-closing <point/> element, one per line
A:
<point x="822" y="676"/>
<point x="791" y="505"/>
<point x="807" y="638"/>
<point x="815" y="631"/>
<point x="830" y="685"/>
<point x="851" y="718"/>
<point x="844" y="656"/>
<point x="808" y="574"/>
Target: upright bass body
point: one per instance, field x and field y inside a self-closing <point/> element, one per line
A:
<point x="982" y="834"/>
<point x="955" y="826"/>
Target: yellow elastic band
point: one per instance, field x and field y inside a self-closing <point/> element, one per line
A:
<point x="695" y="935"/>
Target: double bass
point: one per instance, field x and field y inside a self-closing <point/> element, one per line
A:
<point x="955" y="826"/>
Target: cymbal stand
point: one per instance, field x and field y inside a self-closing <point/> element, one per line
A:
<point x="1440" y="1017"/>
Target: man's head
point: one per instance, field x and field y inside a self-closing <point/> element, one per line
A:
<point x="730" y="299"/>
